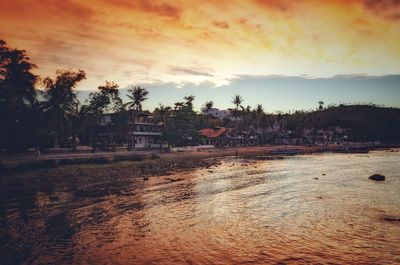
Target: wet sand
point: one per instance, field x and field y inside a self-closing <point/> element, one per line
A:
<point x="10" y="164"/>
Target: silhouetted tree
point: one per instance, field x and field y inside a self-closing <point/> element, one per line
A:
<point x="188" y="105"/>
<point x="207" y="106"/>
<point x="17" y="96"/>
<point x="106" y="99"/>
<point x="321" y="105"/>
<point x="184" y="123"/>
<point x="162" y="114"/>
<point x="61" y="104"/>
<point x="237" y="101"/>
<point x="137" y="95"/>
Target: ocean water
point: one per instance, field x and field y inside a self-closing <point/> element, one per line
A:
<point x="305" y="209"/>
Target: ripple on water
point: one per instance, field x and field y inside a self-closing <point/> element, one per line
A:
<point x="238" y="212"/>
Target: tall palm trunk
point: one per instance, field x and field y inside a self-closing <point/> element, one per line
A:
<point x="134" y="128"/>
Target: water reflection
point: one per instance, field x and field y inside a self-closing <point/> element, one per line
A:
<point x="303" y="209"/>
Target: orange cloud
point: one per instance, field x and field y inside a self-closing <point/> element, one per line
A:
<point x="132" y="41"/>
<point x="162" y="8"/>
<point x="221" y="24"/>
<point x="389" y="9"/>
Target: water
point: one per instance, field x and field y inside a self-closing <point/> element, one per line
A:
<point x="299" y="210"/>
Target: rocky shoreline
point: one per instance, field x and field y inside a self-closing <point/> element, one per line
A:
<point x="149" y="163"/>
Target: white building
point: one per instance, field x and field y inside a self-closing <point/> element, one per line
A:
<point x="217" y="113"/>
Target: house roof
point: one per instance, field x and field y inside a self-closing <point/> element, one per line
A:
<point x="214" y="132"/>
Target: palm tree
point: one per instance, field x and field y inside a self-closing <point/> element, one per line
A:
<point x="17" y="90"/>
<point x="206" y="109"/>
<point x="161" y="114"/>
<point x="137" y="95"/>
<point x="260" y="109"/>
<point x="237" y="101"/>
<point x="321" y="105"/>
<point x="17" y="82"/>
<point x="259" y="118"/>
<point x="61" y="104"/>
<point x="207" y="106"/>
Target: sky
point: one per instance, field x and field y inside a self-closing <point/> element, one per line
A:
<point x="283" y="54"/>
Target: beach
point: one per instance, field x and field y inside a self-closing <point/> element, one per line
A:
<point x="15" y="163"/>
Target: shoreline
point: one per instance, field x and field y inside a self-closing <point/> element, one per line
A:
<point x="98" y="180"/>
<point x="166" y="161"/>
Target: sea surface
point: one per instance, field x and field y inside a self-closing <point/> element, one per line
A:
<point x="305" y="209"/>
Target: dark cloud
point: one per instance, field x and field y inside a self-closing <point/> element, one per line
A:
<point x="389" y="9"/>
<point x="65" y="9"/>
<point x="221" y="24"/>
<point x="182" y="70"/>
<point x="282" y="5"/>
<point x="161" y="9"/>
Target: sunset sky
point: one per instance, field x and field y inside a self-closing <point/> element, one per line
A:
<point x="265" y="50"/>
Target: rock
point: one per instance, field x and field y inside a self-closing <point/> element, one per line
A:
<point x="377" y="177"/>
<point x="54" y="198"/>
<point x="145" y="178"/>
<point x="154" y="156"/>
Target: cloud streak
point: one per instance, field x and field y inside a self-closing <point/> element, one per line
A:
<point x="188" y="71"/>
<point x="165" y="40"/>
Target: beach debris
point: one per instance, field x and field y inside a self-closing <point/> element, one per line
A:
<point x="377" y="177"/>
<point x="391" y="218"/>
<point x="145" y="178"/>
<point x="323" y="174"/>
<point x="315" y="178"/>
<point x="174" y="180"/>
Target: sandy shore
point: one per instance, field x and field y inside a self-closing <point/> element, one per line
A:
<point x="23" y="162"/>
<point x="141" y="163"/>
<point x="107" y="177"/>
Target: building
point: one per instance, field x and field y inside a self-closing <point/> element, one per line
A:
<point x="141" y="133"/>
<point x="219" y="136"/>
<point x="334" y="134"/>
<point x="217" y="113"/>
<point x="147" y="133"/>
<point x="222" y="136"/>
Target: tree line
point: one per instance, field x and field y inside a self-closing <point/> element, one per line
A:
<point x="46" y="112"/>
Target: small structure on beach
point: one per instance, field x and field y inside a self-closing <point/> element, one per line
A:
<point x="218" y="136"/>
<point x="223" y="136"/>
